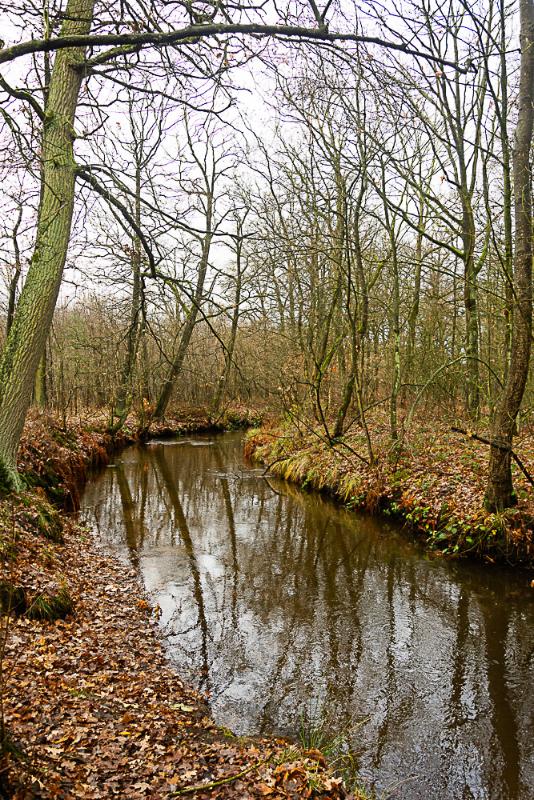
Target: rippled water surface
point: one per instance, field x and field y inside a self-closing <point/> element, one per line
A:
<point x="284" y="606"/>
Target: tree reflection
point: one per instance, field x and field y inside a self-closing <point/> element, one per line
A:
<point x="292" y="604"/>
<point x="170" y="484"/>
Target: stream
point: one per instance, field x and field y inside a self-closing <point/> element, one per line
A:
<point x="286" y="608"/>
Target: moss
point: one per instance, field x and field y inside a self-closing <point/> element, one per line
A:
<point x="4" y="480"/>
<point x="50" y="481"/>
<point x="10" y="480"/>
<point x="49" y="524"/>
<point x="399" y="476"/>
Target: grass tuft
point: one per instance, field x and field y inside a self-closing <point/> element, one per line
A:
<point x="51" y="606"/>
<point x="318" y="734"/>
<point x="41" y="518"/>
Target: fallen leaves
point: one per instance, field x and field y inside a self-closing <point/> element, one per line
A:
<point x="92" y="707"/>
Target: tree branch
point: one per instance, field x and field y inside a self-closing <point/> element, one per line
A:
<point x="86" y="176"/>
<point x="499" y="446"/>
<point x="21" y="94"/>
<point x="193" y="33"/>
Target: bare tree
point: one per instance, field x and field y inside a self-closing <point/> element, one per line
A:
<point x="500" y="492"/>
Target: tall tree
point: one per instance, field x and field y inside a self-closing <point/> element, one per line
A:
<point x="203" y="187"/>
<point x="500" y="491"/>
<point x="29" y="330"/>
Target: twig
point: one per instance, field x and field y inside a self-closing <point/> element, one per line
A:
<point x="397" y="785"/>
<point x="504" y="447"/>
<point x="213" y="784"/>
<point x="272" y="463"/>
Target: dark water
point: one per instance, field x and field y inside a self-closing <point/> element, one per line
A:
<point x="283" y="606"/>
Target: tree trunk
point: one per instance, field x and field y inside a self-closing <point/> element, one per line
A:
<point x="414" y="307"/>
<point x="358" y="322"/>
<point x="187" y="332"/>
<point x="124" y="392"/>
<point x="394" y="316"/>
<point x="326" y="312"/>
<point x="499" y="492"/>
<point x="33" y="317"/>
<point x="229" y="354"/>
<point x="471" y="311"/>
<point x="395" y="331"/>
<point x="507" y="195"/>
<point x="40" y="393"/>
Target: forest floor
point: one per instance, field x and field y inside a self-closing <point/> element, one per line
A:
<point x="435" y="484"/>
<point x="89" y="704"/>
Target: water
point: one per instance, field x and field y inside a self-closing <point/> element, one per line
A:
<point x="283" y="606"/>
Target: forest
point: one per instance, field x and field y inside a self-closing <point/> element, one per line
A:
<point x="310" y="219"/>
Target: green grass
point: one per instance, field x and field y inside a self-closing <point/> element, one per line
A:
<point x="317" y="732"/>
<point x="51" y="606"/>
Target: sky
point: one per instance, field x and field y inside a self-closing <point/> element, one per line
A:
<point x="254" y="89"/>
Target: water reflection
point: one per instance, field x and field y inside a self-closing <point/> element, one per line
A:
<point x="278" y="603"/>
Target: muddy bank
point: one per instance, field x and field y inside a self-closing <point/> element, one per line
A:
<point x="91" y="706"/>
<point x="435" y="486"/>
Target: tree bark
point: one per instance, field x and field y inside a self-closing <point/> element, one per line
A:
<point x="471" y="311"/>
<point x="500" y="492"/>
<point x="507" y="194"/>
<point x="40" y="393"/>
<point x="358" y="318"/>
<point x="414" y="307"/>
<point x="33" y="317"/>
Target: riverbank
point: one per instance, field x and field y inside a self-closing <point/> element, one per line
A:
<point x="435" y="485"/>
<point x="90" y="706"/>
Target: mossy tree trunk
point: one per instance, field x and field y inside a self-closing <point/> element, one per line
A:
<point x="507" y="192"/>
<point x="40" y="392"/>
<point x="471" y="309"/>
<point x="33" y="317"/>
<point x="500" y="492"/>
